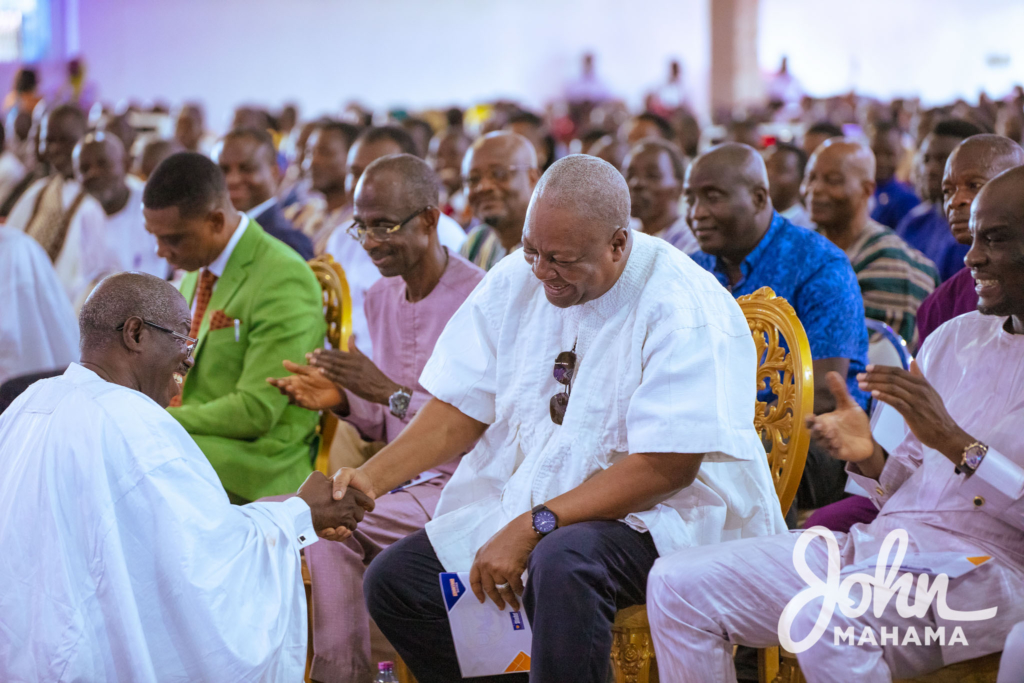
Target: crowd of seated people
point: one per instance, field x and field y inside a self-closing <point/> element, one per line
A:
<point x="548" y="373"/>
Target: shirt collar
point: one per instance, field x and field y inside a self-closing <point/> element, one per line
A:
<point x="754" y="257"/>
<point x="221" y="262"/>
<point x="260" y="208"/>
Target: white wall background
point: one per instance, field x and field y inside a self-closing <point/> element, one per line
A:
<point x="937" y="49"/>
<point x="415" y="53"/>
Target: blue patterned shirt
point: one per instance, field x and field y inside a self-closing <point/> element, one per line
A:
<point x="815" y="277"/>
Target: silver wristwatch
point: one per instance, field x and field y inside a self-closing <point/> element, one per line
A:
<point x="398" y="402"/>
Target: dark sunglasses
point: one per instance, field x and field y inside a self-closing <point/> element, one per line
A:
<point x="565" y="367"/>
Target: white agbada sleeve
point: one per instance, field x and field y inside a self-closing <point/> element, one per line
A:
<point x="38" y="330"/>
<point x="123" y="558"/>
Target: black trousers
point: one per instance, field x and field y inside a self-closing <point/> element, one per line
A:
<point x="579" y="576"/>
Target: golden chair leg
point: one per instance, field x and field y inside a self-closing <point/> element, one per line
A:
<point x="632" y="654"/>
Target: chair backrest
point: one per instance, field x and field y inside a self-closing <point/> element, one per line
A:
<point x="888" y="348"/>
<point x="787" y="370"/>
<point x="338" y="315"/>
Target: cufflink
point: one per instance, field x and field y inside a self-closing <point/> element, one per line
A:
<point x="978" y="501"/>
<point x="302" y="539"/>
<point x="879" y="491"/>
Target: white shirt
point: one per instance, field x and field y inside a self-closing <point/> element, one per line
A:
<point x="38" y="329"/>
<point x="360" y="274"/>
<point x="449" y="233"/>
<point x="127" y="239"/>
<point x="122" y="558"/>
<point x="260" y="208"/>
<point x="666" y="364"/>
<point x="76" y="261"/>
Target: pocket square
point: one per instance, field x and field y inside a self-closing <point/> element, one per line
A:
<point x="218" y="321"/>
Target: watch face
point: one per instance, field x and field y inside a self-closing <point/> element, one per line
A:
<point x="974" y="456"/>
<point x="544" y="521"/>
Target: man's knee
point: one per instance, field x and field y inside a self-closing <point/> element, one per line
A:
<point x="568" y="554"/>
<point x="378" y="583"/>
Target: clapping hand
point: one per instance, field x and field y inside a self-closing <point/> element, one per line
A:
<point x="920" y="405"/>
<point x="330" y="516"/>
<point x="354" y="371"/>
<point x="309" y="388"/>
<point x="846" y="431"/>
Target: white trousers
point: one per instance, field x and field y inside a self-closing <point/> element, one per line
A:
<point x="702" y="601"/>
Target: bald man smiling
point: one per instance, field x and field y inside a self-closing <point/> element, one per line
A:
<point x="607" y="383"/>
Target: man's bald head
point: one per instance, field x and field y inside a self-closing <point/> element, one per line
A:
<point x="144" y="354"/>
<point x="974" y="162"/>
<point x="500" y="172"/>
<point x="996" y="257"/>
<point x="405" y="178"/>
<point x="839" y="184"/>
<point x="576" y="236"/>
<point x="728" y="206"/>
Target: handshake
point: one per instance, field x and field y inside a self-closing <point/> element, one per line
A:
<point x="333" y="519"/>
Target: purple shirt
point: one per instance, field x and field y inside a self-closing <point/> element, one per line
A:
<point x="403" y="336"/>
<point x="953" y="297"/>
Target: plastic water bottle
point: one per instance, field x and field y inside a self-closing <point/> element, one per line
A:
<point x="386" y="673"/>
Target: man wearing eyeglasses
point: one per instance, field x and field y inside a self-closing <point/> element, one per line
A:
<point x="123" y="559"/>
<point x="499" y="174"/>
<point x="254" y="302"/>
<point x="423" y="284"/>
<point x="607" y="382"/>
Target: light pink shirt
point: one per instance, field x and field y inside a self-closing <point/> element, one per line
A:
<point x="403" y="336"/>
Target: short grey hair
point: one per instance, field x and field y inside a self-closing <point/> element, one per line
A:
<point x="588" y="187"/>
<point x="119" y="297"/>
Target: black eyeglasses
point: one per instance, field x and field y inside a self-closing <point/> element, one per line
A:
<point x="565" y="367"/>
<point x="358" y="231"/>
<point x="190" y="343"/>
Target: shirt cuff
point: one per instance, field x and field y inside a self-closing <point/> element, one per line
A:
<point x="997" y="484"/>
<point x="878" y="490"/>
<point x="298" y="511"/>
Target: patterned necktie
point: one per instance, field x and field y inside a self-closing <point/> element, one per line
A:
<point x="203" y="292"/>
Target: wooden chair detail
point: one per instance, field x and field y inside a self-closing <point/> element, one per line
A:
<point x="789" y="373"/>
<point x="338" y="314"/>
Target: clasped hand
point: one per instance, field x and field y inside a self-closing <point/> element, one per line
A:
<point x="331" y="514"/>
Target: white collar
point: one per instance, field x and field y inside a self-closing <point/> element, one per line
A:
<point x="260" y="208"/>
<point x="221" y="262"/>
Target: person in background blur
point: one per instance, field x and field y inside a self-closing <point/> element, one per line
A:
<point x="190" y="128"/>
<point x="587" y="88"/>
<point x="422" y="133"/>
<point x="925" y="227"/>
<point x="817" y="134"/>
<point x="296" y="184"/>
<point x="500" y="172"/>
<point x="611" y="149"/>
<point x="670" y="96"/>
<point x="745" y="132"/>
<point x="532" y="127"/>
<point x="247" y="159"/>
<point x="153" y="152"/>
<point x="101" y="166"/>
<point x="786" y="164"/>
<point x="654" y="174"/>
<point x="77" y="90"/>
<point x="121" y="126"/>
<point x="11" y="169"/>
<point x="892" y="199"/>
<point x="327" y="206"/>
<point x="56" y="210"/>
<point x="645" y="125"/>
<point x="24" y="95"/>
<point x="447" y="150"/>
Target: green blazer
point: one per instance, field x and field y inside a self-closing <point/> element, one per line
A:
<point x="258" y="444"/>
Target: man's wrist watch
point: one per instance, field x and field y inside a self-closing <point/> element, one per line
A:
<point x="398" y="402"/>
<point x="973" y="455"/>
<point x="544" y="520"/>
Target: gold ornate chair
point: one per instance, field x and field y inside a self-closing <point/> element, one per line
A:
<point x="338" y="313"/>
<point x="789" y="374"/>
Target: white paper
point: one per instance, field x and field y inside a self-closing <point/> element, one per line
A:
<point x="488" y="641"/>
<point x="418" y="479"/>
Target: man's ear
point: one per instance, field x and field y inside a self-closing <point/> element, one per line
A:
<point x="619" y="241"/>
<point x="534" y="175"/>
<point x="431" y="218"/>
<point x="216" y="220"/>
<point x="131" y="335"/>
<point x="760" y="197"/>
<point x="868" y="186"/>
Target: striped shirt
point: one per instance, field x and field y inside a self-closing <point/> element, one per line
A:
<point x="482" y="247"/>
<point x="894" y="278"/>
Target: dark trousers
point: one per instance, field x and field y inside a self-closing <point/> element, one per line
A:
<point x="579" y="576"/>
